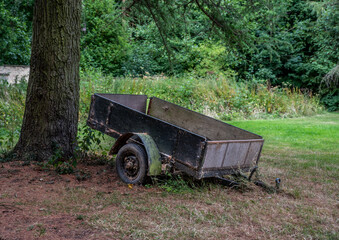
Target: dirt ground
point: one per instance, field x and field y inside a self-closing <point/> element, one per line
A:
<point x="26" y="190"/>
<point x="93" y="203"/>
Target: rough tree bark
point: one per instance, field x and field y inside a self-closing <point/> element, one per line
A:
<point x="52" y="101"/>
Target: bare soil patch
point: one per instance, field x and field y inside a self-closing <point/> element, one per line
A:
<point x="94" y="204"/>
<point x="26" y="192"/>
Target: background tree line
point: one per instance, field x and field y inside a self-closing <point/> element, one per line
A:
<point x="290" y="43"/>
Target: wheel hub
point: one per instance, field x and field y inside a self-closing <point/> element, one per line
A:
<point x="131" y="166"/>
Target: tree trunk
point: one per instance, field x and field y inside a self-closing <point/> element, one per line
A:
<point x="52" y="102"/>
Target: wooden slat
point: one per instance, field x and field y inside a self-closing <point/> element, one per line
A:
<point x="236" y="154"/>
<point x="214" y="155"/>
<point x="253" y="152"/>
<point x="195" y="122"/>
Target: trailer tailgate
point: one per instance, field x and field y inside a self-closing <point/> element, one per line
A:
<point x="223" y="156"/>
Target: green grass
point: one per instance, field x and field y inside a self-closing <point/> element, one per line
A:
<point x="316" y="133"/>
<point x="313" y="138"/>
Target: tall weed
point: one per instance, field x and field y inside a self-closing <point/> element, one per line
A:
<point x="217" y="96"/>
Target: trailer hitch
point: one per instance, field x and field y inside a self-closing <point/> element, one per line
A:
<point x="227" y="182"/>
<point x="252" y="172"/>
<point x="233" y="183"/>
<point x="267" y="187"/>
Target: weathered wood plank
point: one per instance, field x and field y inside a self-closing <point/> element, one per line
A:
<point x="253" y="154"/>
<point x="195" y="122"/>
<point x="214" y="156"/>
<point x="235" y="155"/>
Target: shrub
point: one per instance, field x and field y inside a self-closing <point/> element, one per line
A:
<point x="217" y="96"/>
<point x="104" y="42"/>
<point x="12" y="102"/>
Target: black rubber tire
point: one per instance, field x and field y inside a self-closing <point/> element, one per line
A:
<point x="131" y="164"/>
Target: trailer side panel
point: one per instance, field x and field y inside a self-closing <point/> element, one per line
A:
<point x="231" y="155"/>
<point x="195" y="122"/>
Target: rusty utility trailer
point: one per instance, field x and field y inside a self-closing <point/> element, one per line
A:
<point x="153" y="135"/>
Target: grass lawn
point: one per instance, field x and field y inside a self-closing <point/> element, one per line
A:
<point x="303" y="146"/>
<point x="303" y="152"/>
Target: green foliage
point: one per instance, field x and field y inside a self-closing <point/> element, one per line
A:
<point x="165" y="35"/>
<point x="15" y="31"/>
<point x="293" y="42"/>
<point x="210" y="58"/>
<point x="87" y="137"/>
<point x="220" y="97"/>
<point x="290" y="42"/>
<point x="12" y="102"/>
<point x="92" y="148"/>
<point x="80" y="217"/>
<point x="88" y="140"/>
<point x="104" y="42"/>
<point x="283" y="42"/>
<point x="174" y="184"/>
<point x="8" y="156"/>
<point x="331" y="100"/>
<point x="147" y="54"/>
<point x="59" y="163"/>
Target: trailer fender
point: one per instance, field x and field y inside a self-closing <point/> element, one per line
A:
<point x="153" y="155"/>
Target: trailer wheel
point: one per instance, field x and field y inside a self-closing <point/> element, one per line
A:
<point x="131" y="164"/>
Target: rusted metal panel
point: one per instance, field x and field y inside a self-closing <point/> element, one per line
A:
<point x="97" y="117"/>
<point x="195" y="122"/>
<point x="188" y="170"/>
